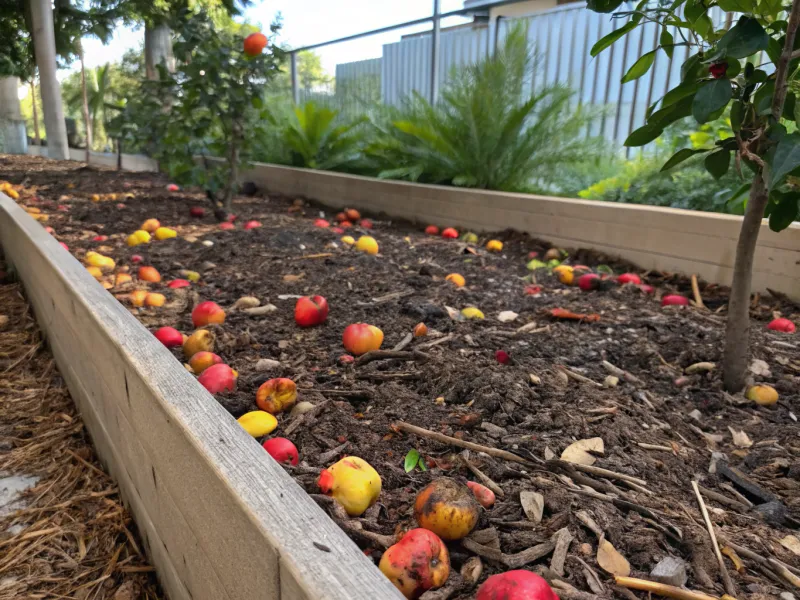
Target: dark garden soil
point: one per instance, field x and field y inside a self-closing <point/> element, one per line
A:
<point x="658" y="425"/>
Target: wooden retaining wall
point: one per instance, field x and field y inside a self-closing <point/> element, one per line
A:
<point x="220" y="519"/>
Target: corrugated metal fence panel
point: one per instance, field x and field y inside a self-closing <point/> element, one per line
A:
<point x="358" y="85"/>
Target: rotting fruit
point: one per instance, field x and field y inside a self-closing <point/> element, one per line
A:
<point x="515" y="585"/>
<point x="276" y="395"/>
<point x="200" y="361"/>
<point x="207" y="313"/>
<point x="360" y="338"/>
<point x="447" y="508"/>
<point x="484" y="496"/>
<point x="201" y="340"/>
<point x="353" y="483"/>
<point x="417" y="563"/>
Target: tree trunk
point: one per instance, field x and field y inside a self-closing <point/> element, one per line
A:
<point x="157" y="49"/>
<point x="87" y="122"/>
<point x="13" y="139"/>
<point x="233" y="165"/>
<point x="37" y="138"/>
<point x="45" y="46"/>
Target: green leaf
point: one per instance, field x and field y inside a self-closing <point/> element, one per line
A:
<point x="785" y="212"/>
<point x="612" y="37"/>
<point x="734" y="68"/>
<point x="744" y="39"/>
<point x="536" y="264"/>
<point x="693" y="10"/>
<point x="717" y="163"/>
<point x="605" y="269"/>
<point x="257" y="102"/>
<point x="736" y="6"/>
<point x="644" y="135"/>
<point x="666" y="41"/>
<point x="784" y="159"/>
<point x="774" y="49"/>
<point x="711" y="97"/>
<point x="412" y="459"/>
<point x="691" y="67"/>
<point x="762" y="100"/>
<point x="603" y="6"/>
<point x="640" y="67"/>
<point x="737" y="115"/>
<point x="680" y="156"/>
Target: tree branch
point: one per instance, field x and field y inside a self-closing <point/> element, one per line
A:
<point x="782" y="71"/>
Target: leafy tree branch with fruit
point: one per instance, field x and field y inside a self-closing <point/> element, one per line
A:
<point x="751" y="69"/>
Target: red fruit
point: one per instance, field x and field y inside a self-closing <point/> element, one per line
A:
<point x="629" y="278"/>
<point x="346" y="359"/>
<point x="360" y="338"/>
<point x="252" y="225"/>
<point x="178" y="283"/>
<point x="647" y="289"/>
<point x="64" y="246"/>
<point x="366" y="224"/>
<point x="532" y="254"/>
<point x="50" y="230"/>
<point x="483" y="495"/>
<point x="502" y="357"/>
<point x="254" y="44"/>
<point x="515" y="585"/>
<point x="674" y="300"/>
<point x="100" y="238"/>
<point x="532" y="290"/>
<point x="227" y="225"/>
<point x="337" y="230"/>
<point x="345" y="224"/>
<point x="310" y="311"/>
<point x="218" y="378"/>
<point x="170" y="337"/>
<point x="784" y="325"/>
<point x="197" y="212"/>
<point x="352" y="214"/>
<point x="207" y="312"/>
<point x="417" y="563"/>
<point x="450" y="233"/>
<point x="282" y="450"/>
<point x="231" y="218"/>
<point x="321" y="223"/>
<point x="341" y="217"/>
<point x="173" y="188"/>
<point x="589" y="281"/>
<point x="718" y="70"/>
<point x="136" y="259"/>
<point x="432" y="230"/>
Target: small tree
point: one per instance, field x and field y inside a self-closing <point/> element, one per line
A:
<point x="726" y="67"/>
<point x="201" y="110"/>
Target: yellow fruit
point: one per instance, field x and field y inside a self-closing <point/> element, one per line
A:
<point x="11" y="193"/>
<point x="353" y="483"/>
<point x="94" y="272"/>
<point x="138" y="297"/>
<point x="155" y="300"/>
<point x="165" y="233"/>
<point x="95" y="198"/>
<point x="348" y="239"/>
<point x="456" y="279"/>
<point x="122" y="278"/>
<point x="494" y="246"/>
<point x="32" y="210"/>
<point x="96" y="259"/>
<point x="200" y="341"/>
<point x="447" y="508"/>
<point x="367" y="244"/>
<point x="192" y="276"/>
<point x="763" y="395"/>
<point x="470" y="238"/>
<point x="133" y="240"/>
<point x="565" y="274"/>
<point x="139" y="236"/>
<point x="258" y="423"/>
<point x="151" y="225"/>
<point x="471" y="313"/>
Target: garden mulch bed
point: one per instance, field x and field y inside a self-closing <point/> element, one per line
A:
<point x="665" y="433"/>
<point x="64" y="532"/>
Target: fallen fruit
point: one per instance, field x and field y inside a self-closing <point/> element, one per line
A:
<point x="136" y="259"/>
<point x="94" y="271"/>
<point x="763" y="395"/>
<point x="565" y="274"/>
<point x="563" y="313"/>
<point x="258" y="423"/>
<point x="200" y="361"/>
<point x="122" y="278"/>
<point x="494" y="246"/>
<point x="365" y="224"/>
<point x="515" y="585"/>
<point x="227" y="226"/>
<point x="450" y="233"/>
<point x="674" y="300"/>
<point x="353" y="483"/>
<point x="417" y="563"/>
<point x="784" y="325"/>
<point x="532" y="290"/>
<point x="321" y="223"/>
<point x="472" y="313"/>
<point x="169" y="336"/>
<point x="367" y="244"/>
<point x="591" y="281"/>
<point x="200" y="341"/>
<point x="137" y="297"/>
<point x="98" y="260"/>
<point x="155" y="300"/>
<point x="282" y="450"/>
<point x="447" y="508"/>
<point x="554" y="254"/>
<point x="206" y="313"/>
<point x="647" y="289"/>
<point x="338" y="231"/>
<point x="420" y="330"/>
<point x="502" y="357"/>
<point x="149" y="274"/>
<point x="64" y="246"/>
<point x="178" y="283"/>
<point x="95" y="198"/>
<point x="340" y="217"/>
<point x="432" y="230"/>
<point x="197" y="212"/>
<point x="165" y="233"/>
<point x="218" y="378"/>
<point x="173" y="188"/>
<point x="276" y="395"/>
<point x="349" y="240"/>
<point x="456" y="279"/>
<point x="192" y="276"/>
<point x="254" y="44"/>
<point x="252" y="225"/>
<point x="100" y="238"/>
<point x="483" y="494"/>
<point x="352" y="214"/>
<point x="360" y="338"/>
<point x="469" y="238"/>
<point x="310" y="311"/>
<point x="150" y="225"/>
<point x="629" y="278"/>
<point x="347" y="359"/>
<point x="345" y="224"/>
<point x="231" y="218"/>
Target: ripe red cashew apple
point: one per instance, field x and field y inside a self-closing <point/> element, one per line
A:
<point x="629" y="278"/>
<point x="310" y="311"/>
<point x="170" y="337"/>
<point x="784" y="325"/>
<point x="218" y="378"/>
<point x="417" y="563"/>
<point x="360" y="338"/>
<point x="282" y="450"/>
<point x="515" y="585"/>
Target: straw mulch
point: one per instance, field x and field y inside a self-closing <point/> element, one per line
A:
<point x="70" y="536"/>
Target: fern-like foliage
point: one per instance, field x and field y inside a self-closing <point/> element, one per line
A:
<point x="491" y="129"/>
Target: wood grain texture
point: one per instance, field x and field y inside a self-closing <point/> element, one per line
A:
<point x="220" y="518"/>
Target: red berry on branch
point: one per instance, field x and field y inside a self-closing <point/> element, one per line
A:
<point x="718" y="70"/>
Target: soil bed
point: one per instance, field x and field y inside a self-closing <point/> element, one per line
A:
<point x="652" y="428"/>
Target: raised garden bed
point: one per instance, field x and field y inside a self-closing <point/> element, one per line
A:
<point x="660" y="426"/>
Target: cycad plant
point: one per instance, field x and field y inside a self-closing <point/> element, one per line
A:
<point x="491" y="129"/>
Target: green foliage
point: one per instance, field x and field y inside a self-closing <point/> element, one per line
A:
<point x="414" y="461"/>
<point x="487" y="131"/>
<point x="725" y="70"/>
<point x="204" y="108"/>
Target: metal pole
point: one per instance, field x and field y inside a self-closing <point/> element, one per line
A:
<point x="435" y="49"/>
<point x="295" y="89"/>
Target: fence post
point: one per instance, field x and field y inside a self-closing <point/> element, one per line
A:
<point x="435" y="49"/>
<point x="295" y="89"/>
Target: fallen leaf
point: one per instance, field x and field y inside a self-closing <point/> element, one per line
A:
<point x="549" y="454"/>
<point x="737" y="562"/>
<point x="700" y="367"/>
<point x="578" y="452"/>
<point x="611" y="561"/>
<point x="740" y="438"/>
<point x="760" y="368"/>
<point x="507" y="316"/>
<point x="532" y="505"/>
<point x="453" y="313"/>
<point x="293" y="278"/>
<point x="791" y="543"/>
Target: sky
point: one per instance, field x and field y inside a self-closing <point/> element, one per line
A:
<point x="307" y="22"/>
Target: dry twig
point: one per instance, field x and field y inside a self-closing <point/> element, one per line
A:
<point x="726" y="578"/>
